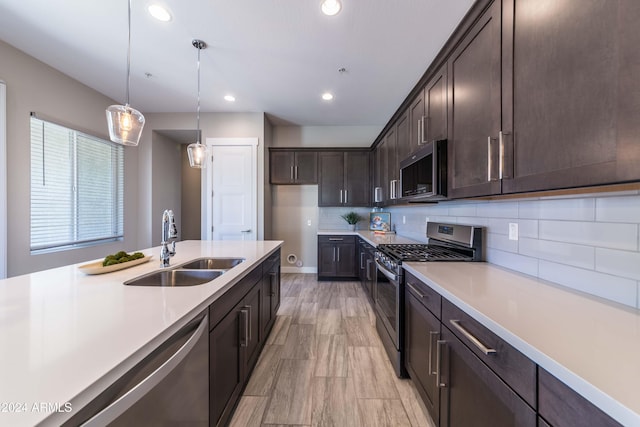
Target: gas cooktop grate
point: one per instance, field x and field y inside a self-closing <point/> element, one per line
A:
<point x="423" y="252"/>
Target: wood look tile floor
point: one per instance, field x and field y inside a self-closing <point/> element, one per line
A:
<point x="324" y="365"/>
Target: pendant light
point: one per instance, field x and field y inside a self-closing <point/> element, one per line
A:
<point x="198" y="152"/>
<point x="125" y="123"/>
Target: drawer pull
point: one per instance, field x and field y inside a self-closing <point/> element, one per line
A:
<point x="415" y="290"/>
<point x="487" y="351"/>
<point x="336" y="239"/>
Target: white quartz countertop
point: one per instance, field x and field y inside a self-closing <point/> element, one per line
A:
<point x="369" y="236"/>
<point x="65" y="336"/>
<point x="590" y="344"/>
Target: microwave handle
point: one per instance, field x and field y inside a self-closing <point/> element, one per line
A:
<point x="434" y="168"/>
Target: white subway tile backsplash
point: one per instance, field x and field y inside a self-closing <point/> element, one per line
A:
<point x="565" y="209"/>
<point x="597" y="234"/>
<point x="618" y="209"/>
<point x="501" y="242"/>
<point x="463" y="209"/>
<point x="528" y="228"/>
<point x="498" y="209"/>
<point x="620" y="263"/>
<point x="614" y="288"/>
<point x="563" y="253"/>
<point x="521" y="263"/>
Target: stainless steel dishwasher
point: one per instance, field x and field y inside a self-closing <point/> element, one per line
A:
<point x="169" y="387"/>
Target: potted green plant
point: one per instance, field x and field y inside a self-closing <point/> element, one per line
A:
<point x="352" y="218"/>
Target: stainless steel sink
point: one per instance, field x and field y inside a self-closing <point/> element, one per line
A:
<point x="176" y="277"/>
<point x="212" y="263"/>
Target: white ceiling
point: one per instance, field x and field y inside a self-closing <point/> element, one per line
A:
<point x="276" y="56"/>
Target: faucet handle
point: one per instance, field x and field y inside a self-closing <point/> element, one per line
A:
<point x="172" y="252"/>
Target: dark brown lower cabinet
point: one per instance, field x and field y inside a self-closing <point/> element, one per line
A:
<point x="240" y="322"/>
<point x="422" y="329"/>
<point x="559" y="405"/>
<point x="337" y="257"/>
<point x="472" y="394"/>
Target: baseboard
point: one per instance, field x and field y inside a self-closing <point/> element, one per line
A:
<point x="312" y="270"/>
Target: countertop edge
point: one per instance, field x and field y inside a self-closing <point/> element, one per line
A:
<point x="606" y="403"/>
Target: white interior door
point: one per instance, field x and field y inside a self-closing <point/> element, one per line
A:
<point x="233" y="189"/>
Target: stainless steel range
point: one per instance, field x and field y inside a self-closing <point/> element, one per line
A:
<point x="447" y="242"/>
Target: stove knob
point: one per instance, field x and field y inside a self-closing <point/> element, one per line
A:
<point x="393" y="265"/>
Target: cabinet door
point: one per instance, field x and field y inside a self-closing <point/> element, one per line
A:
<point x="435" y="94"/>
<point x="393" y="167"/>
<point x="475" y="111"/>
<point x="306" y="167"/>
<point x="281" y="167"/>
<point x="416" y="115"/>
<point x="472" y="394"/>
<point x="326" y="259"/>
<point x="573" y="94"/>
<point x="346" y="260"/>
<point x="226" y="367"/>
<point x="357" y="183"/>
<point x="403" y="144"/>
<point x="422" y="329"/>
<point x="331" y="179"/>
<point x="382" y="172"/>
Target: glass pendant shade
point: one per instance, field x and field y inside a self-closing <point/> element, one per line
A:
<point x="197" y="155"/>
<point x="125" y="124"/>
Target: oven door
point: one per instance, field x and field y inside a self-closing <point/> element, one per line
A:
<point x="387" y="301"/>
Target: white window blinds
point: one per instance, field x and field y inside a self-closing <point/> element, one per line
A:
<point x="77" y="188"/>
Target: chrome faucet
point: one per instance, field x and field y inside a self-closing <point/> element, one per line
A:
<point x="169" y="232"/>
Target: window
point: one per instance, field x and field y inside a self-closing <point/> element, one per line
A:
<point x="77" y="186"/>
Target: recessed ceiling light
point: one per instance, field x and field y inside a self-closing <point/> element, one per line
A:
<point x="229" y="98"/>
<point x="327" y="96"/>
<point x="159" y="12"/>
<point x="331" y="7"/>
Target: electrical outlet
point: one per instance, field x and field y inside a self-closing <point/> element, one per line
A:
<point x="513" y="231"/>
<point x="309" y="222"/>
<point x="404" y="219"/>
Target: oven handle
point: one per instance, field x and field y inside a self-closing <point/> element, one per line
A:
<point x="388" y="275"/>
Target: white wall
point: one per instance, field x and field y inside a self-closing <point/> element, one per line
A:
<point x="190" y="200"/>
<point x="590" y="243"/>
<point x="34" y="86"/>
<point x="3" y="181"/>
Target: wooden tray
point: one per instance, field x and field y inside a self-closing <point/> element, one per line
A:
<point x="97" y="268"/>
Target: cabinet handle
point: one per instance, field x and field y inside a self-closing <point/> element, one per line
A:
<point x="419" y="136"/>
<point x="295" y="172"/>
<point x="489" y="159"/>
<point x="340" y="196"/>
<point x="334" y="254"/>
<point x="336" y="239"/>
<point x="486" y="350"/>
<point x="369" y="263"/>
<point x="345" y="197"/>
<point x="425" y="119"/>
<point x="338" y="254"/>
<point x="362" y="261"/>
<point x="410" y="285"/>
<point x="244" y="340"/>
<point x="432" y="335"/>
<point x="249" y="324"/>
<point x="272" y="277"/>
<point x="439" y="345"/>
<point x="503" y="173"/>
<point x="291" y="173"/>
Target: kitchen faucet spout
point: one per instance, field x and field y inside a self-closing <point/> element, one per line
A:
<point x="169" y="233"/>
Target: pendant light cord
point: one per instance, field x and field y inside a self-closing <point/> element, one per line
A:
<point x="128" y="54"/>
<point x="198" y="110"/>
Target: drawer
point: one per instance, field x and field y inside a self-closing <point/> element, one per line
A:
<point x="423" y="293"/>
<point x="559" y="405"/>
<point x="223" y="305"/>
<point x="517" y="370"/>
<point x="337" y="239"/>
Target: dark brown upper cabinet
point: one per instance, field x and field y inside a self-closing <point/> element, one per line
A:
<point x="434" y="125"/>
<point x="576" y="94"/>
<point x="474" y="77"/>
<point x="293" y="167"/>
<point x="403" y="143"/>
<point x="344" y="178"/>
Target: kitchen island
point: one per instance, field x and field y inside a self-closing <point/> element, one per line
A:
<point x="66" y="336"/>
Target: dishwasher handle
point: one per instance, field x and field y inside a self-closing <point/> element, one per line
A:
<point x="127" y="400"/>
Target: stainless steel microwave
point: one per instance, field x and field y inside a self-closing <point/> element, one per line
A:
<point x="423" y="175"/>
